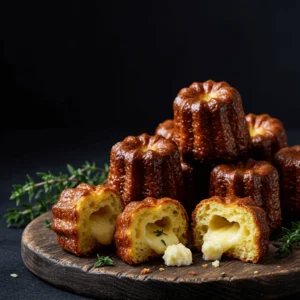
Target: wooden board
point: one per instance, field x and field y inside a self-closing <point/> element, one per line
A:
<point x="47" y="260"/>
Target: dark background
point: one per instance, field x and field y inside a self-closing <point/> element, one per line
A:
<point x="76" y="77"/>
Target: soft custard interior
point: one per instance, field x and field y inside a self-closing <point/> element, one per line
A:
<point x="207" y="96"/>
<point x="225" y="229"/>
<point x="147" y="227"/>
<point x="256" y="131"/>
<point x="97" y="219"/>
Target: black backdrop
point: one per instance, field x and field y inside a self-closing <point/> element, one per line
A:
<point x="112" y="64"/>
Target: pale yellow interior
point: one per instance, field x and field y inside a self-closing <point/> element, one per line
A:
<point x="145" y="242"/>
<point x="225" y="229"/>
<point x="256" y="131"/>
<point x="207" y="96"/>
<point x="97" y="215"/>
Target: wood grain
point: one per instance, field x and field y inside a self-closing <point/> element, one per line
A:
<point x="47" y="260"/>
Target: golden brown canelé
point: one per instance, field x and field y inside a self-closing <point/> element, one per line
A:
<point x="147" y="227"/>
<point x="165" y="129"/>
<point x="267" y="136"/>
<point x="146" y="166"/>
<point x="209" y="123"/>
<point x="232" y="226"/>
<point x="84" y="218"/>
<point x="256" y="179"/>
<point x="287" y="162"/>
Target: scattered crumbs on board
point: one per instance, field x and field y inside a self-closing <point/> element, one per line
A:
<point x="205" y="266"/>
<point x="161" y="269"/>
<point x="278" y="267"/>
<point x="223" y="274"/>
<point x="192" y="273"/>
<point x="145" y="271"/>
<point x="216" y="263"/>
<point x="255" y="272"/>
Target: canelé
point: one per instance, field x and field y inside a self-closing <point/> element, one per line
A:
<point x="209" y="123"/>
<point x="146" y="166"/>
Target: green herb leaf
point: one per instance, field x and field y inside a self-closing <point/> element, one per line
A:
<point x="163" y="241"/>
<point x="48" y="224"/>
<point x="289" y="240"/>
<point x="159" y="232"/>
<point x="45" y="191"/>
<point x="103" y="261"/>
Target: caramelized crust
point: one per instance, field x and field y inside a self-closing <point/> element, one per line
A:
<point x="146" y="166"/>
<point x="267" y="136"/>
<point x="287" y="162"/>
<point x="256" y="179"/>
<point x="71" y="209"/>
<point x="209" y="123"/>
<point x="261" y="241"/>
<point x="165" y="129"/>
<point x="131" y="220"/>
<point x="196" y="184"/>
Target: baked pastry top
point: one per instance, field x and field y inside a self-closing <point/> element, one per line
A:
<point x="256" y="179"/>
<point x="146" y="228"/>
<point x="84" y="217"/>
<point x="232" y="226"/>
<point x="287" y="162"/>
<point x="209" y="123"/>
<point x="165" y="129"/>
<point x="146" y="166"/>
<point x="267" y="136"/>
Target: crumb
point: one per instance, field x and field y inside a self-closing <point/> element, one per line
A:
<point x="278" y="267"/>
<point x="216" y="263"/>
<point x="223" y="274"/>
<point x="153" y="267"/>
<point x="145" y="271"/>
<point x="161" y="269"/>
<point x="205" y="266"/>
<point x="255" y="272"/>
<point x="192" y="273"/>
<point x="14" y="275"/>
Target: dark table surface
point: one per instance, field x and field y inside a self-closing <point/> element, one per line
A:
<point x="27" y="152"/>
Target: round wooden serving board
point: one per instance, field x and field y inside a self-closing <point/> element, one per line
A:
<point x="42" y="255"/>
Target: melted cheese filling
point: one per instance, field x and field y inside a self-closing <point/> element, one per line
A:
<point x="159" y="242"/>
<point x="220" y="237"/>
<point x="102" y="226"/>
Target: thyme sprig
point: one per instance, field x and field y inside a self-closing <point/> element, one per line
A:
<point x="103" y="261"/>
<point x="46" y="192"/>
<point x="289" y="240"/>
<point x="159" y="232"/>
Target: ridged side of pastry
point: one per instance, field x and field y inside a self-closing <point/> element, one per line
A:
<point x="256" y="179"/>
<point x="146" y="166"/>
<point x="165" y="129"/>
<point x="287" y="162"/>
<point x="137" y="235"/>
<point x="267" y="136"/>
<point x="213" y="213"/>
<point x="84" y="218"/>
<point x="209" y="123"/>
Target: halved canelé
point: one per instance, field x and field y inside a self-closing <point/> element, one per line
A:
<point x="232" y="226"/>
<point x="146" y="166"/>
<point x="267" y="136"/>
<point x="256" y="179"/>
<point x="209" y="123"/>
<point x="84" y="218"/>
<point x="145" y="229"/>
